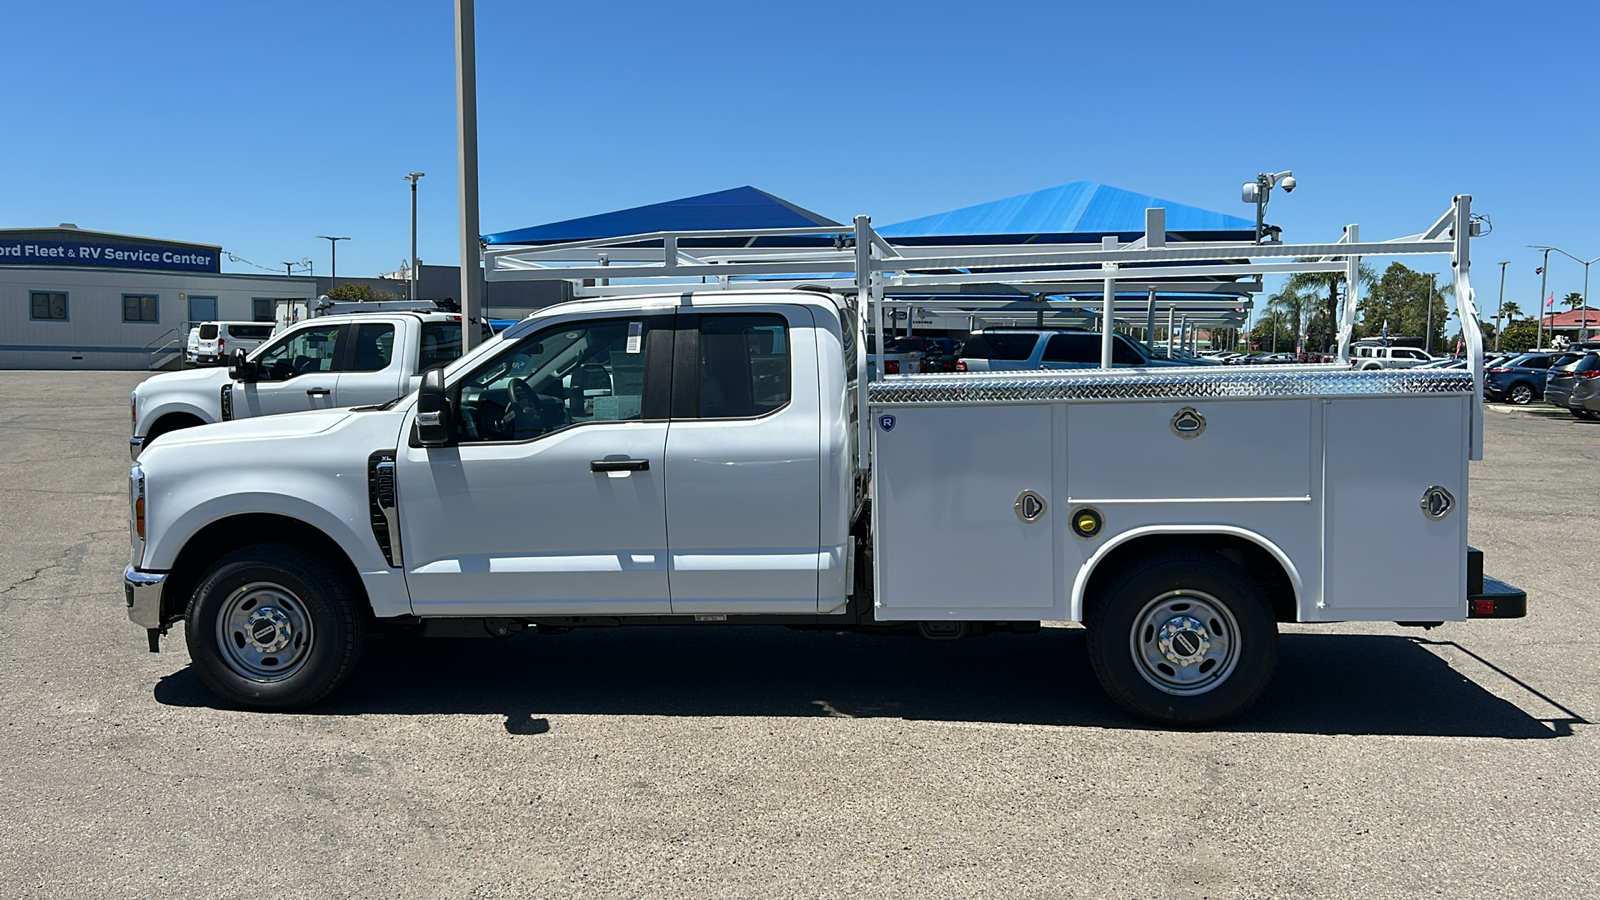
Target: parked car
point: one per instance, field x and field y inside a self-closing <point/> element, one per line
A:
<point x="1368" y="357"/>
<point x="219" y="340"/>
<point x="902" y="358"/>
<point x="1559" y="380"/>
<point x="1585" y="399"/>
<point x="1261" y="359"/>
<point x="1023" y="350"/>
<point x="1561" y="387"/>
<point x="1518" y="380"/>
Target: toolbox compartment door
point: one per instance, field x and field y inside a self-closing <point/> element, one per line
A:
<point x="949" y="543"/>
<point x="1385" y="557"/>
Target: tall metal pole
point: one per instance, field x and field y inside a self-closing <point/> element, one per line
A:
<point x="467" y="173"/>
<point x="1501" y="311"/>
<point x="333" y="247"/>
<point x="413" y="279"/>
<point x="1544" y="278"/>
<point x="1427" y="336"/>
<point x="1583" y="329"/>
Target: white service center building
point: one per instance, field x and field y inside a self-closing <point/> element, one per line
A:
<point x="75" y="299"/>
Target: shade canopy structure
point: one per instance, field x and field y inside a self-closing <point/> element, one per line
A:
<point x="737" y="208"/>
<point x="1080" y="212"/>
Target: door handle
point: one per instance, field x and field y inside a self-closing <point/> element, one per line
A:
<point x="318" y="392"/>
<point x="619" y="465"/>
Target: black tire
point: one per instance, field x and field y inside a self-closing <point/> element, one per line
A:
<point x="1232" y="652"/>
<point x="274" y="627"/>
<point x="1520" y="394"/>
<point x="1588" y="415"/>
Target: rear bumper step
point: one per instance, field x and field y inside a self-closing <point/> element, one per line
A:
<point x="1491" y="598"/>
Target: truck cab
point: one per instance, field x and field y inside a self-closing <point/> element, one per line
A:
<point x="322" y="363"/>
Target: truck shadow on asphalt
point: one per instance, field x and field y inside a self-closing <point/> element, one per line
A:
<point x="1325" y="684"/>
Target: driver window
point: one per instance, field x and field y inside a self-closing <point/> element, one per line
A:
<point x="301" y="352"/>
<point x="568" y="375"/>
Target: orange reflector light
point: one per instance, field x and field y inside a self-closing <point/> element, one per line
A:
<point x="138" y="517"/>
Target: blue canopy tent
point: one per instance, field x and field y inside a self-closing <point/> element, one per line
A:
<point x="740" y="207"/>
<point x="1080" y="212"/>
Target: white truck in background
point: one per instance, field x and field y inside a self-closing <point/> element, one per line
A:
<point x="716" y="455"/>
<point x="324" y="363"/>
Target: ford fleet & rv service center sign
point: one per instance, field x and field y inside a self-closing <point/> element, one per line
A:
<point x="98" y="254"/>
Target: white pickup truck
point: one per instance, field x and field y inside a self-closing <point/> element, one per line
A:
<point x="323" y="363"/>
<point x="1368" y="357"/>
<point x="712" y="454"/>
<point x="693" y="458"/>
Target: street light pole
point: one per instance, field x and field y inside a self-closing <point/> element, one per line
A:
<point x="413" y="177"/>
<point x="1544" y="280"/>
<point x="333" y="248"/>
<point x="1583" y="329"/>
<point x="1501" y="311"/>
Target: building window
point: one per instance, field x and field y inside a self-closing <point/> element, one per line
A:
<point x="48" y="305"/>
<point x="262" y="309"/>
<point x="140" y="308"/>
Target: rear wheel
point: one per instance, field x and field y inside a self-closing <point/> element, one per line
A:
<point x="273" y="626"/>
<point x="1520" y="394"/>
<point x="1182" y="638"/>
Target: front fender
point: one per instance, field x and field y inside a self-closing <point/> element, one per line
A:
<point x="207" y="410"/>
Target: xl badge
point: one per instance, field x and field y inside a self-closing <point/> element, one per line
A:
<point x="1188" y="423"/>
<point x="886" y="423"/>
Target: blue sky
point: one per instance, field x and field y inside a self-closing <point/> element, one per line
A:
<point x="259" y="125"/>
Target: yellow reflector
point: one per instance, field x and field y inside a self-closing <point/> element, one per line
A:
<point x="138" y="517"/>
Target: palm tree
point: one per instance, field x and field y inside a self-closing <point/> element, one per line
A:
<point x="1318" y="282"/>
<point x="1511" y="310"/>
<point x="1573" y="300"/>
<point x="1288" y="305"/>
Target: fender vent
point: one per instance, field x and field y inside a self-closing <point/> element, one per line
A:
<point x="227" y="403"/>
<point x="381" y="500"/>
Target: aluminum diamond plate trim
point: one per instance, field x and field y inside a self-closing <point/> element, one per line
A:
<point x="1166" y="384"/>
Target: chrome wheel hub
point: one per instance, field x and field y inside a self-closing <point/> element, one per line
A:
<point x="1185" y="642"/>
<point x="264" y="632"/>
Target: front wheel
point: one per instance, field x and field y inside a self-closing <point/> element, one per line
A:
<point x="1521" y="394"/>
<point x="273" y="626"/>
<point x="1182" y="638"/>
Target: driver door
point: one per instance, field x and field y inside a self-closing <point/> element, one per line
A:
<point x="297" y="373"/>
<point x="550" y="500"/>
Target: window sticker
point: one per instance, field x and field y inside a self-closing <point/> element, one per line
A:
<point x="635" y="336"/>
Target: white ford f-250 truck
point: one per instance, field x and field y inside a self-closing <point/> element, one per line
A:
<point x="721" y="456"/>
<point x="323" y="363"/>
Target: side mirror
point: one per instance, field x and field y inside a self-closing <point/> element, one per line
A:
<point x="433" y="410"/>
<point x="242" y="369"/>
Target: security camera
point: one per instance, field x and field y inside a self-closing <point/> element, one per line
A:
<point x="1288" y="183"/>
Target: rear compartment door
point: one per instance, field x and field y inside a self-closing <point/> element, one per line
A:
<point x="743" y="463"/>
<point x="1387" y="558"/>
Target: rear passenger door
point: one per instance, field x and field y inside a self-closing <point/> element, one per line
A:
<point x="369" y="365"/>
<point x="743" y="463"/>
<point x="1071" y="351"/>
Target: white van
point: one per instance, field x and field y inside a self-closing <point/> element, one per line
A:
<point x="218" y="340"/>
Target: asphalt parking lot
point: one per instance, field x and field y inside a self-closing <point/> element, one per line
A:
<point x="1383" y="762"/>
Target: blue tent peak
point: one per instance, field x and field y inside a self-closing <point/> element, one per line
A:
<point x="1082" y="208"/>
<point x="740" y="207"/>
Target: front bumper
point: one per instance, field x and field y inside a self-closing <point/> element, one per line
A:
<point x="142" y="591"/>
<point x="134" y="446"/>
